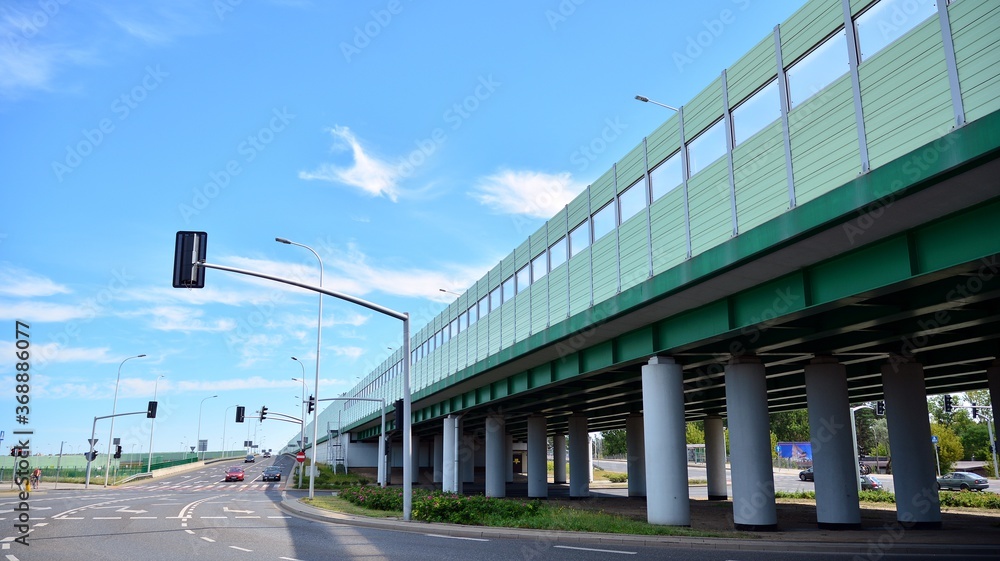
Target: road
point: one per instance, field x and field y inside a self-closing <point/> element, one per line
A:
<point x="199" y="516"/>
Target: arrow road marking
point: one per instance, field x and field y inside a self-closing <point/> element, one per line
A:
<point x="125" y="509"/>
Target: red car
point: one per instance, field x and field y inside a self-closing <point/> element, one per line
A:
<point x="235" y="473"/>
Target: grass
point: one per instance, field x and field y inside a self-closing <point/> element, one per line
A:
<point x="967" y="499"/>
<point x="493" y="512"/>
<point x="338" y="504"/>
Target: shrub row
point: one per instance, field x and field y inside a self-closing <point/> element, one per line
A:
<point x="965" y="498"/>
<point x="441" y="507"/>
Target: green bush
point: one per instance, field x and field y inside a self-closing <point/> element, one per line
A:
<point x="617" y="477"/>
<point x="375" y="498"/>
<point x="476" y="509"/>
<point x="970" y="499"/>
<point x="876" y="497"/>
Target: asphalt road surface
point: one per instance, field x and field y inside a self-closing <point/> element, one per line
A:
<point x="198" y="515"/>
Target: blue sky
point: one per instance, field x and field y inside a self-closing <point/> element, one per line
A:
<point x="411" y="144"/>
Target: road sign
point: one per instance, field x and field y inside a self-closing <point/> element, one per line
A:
<point x="300" y="457"/>
<point x="933" y="439"/>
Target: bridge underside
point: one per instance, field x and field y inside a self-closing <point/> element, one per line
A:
<point x="911" y="274"/>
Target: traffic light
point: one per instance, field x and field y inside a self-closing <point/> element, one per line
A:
<point x="947" y="404"/>
<point x="975" y="412"/>
<point x="118" y="452"/>
<point x="398" y="407"/>
<point x="880" y="407"/>
<point x="240" y="413"/>
<point x="189" y="248"/>
<point x="13" y="451"/>
<point x="312" y="404"/>
<point x="263" y="413"/>
<point x="90" y="456"/>
<point x="151" y="410"/>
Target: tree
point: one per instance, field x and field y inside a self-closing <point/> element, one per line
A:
<point x="791" y="426"/>
<point x="950" y="446"/>
<point x="614" y="442"/>
<point x="695" y="433"/>
<point x="975" y="438"/>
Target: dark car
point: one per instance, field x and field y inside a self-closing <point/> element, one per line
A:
<point x="963" y="481"/>
<point x="806" y="474"/>
<point x="870" y="483"/>
<point x="271" y="473"/>
<point x="235" y="473"/>
<point x="249" y="459"/>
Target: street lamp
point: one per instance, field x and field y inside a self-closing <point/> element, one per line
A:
<point x="448" y="292"/>
<point x="224" y="417"/>
<point x="149" y="463"/>
<point x="114" y="409"/>
<point x="319" y="340"/>
<point x="302" y="426"/>
<point x="198" y="442"/>
<point x="645" y="99"/>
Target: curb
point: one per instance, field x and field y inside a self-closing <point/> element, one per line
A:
<point x="294" y="507"/>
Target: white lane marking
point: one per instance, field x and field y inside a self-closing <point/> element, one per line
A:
<point x="142" y="518"/>
<point x="208" y="539"/>
<point x="289" y="559"/>
<point x="107" y="518"/>
<point x="211" y="517"/>
<point x="189" y="531"/>
<point x="594" y="549"/>
<point x="11" y="558"/>
<point x="246" y="517"/>
<point x="240" y="548"/>
<point x="457" y="538"/>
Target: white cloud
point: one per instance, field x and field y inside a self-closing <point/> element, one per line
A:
<point x="176" y="318"/>
<point x="352" y="353"/>
<point x="372" y="175"/>
<point x="248" y="383"/>
<point x="15" y="281"/>
<point x="50" y="353"/>
<point x="530" y="193"/>
<point x="43" y="312"/>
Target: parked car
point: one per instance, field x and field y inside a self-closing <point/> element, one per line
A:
<point x="235" y="473"/>
<point x="963" y="481"/>
<point x="806" y="474"/>
<point x="271" y="473"/>
<point x="249" y="459"/>
<point x="871" y="483"/>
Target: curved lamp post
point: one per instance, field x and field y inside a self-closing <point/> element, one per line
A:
<point x="319" y="340"/>
<point x="114" y="409"/>
<point x="645" y="99"/>
<point x="302" y="427"/>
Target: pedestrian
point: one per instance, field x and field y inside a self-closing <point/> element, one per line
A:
<point x="36" y="476"/>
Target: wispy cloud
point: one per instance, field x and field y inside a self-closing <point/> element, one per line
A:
<point x="16" y="281"/>
<point x="51" y="353"/>
<point x="44" y="312"/>
<point x="530" y="193"/>
<point x="184" y="319"/>
<point x="370" y="174"/>
<point x="352" y="353"/>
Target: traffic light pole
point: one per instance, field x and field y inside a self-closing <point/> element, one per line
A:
<point x="93" y="431"/>
<point x="407" y="410"/>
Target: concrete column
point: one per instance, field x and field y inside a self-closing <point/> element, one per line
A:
<point x="636" y="459"/>
<point x="832" y="445"/>
<point x="538" y="479"/>
<point x="496" y="446"/>
<point x="665" y="443"/>
<point x="438" y="457"/>
<point x="913" y="474"/>
<point x="579" y="453"/>
<point x="467" y="454"/>
<point x="750" y="446"/>
<point x="559" y="458"/>
<point x="450" y="481"/>
<point x="509" y="460"/>
<point x="715" y="458"/>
